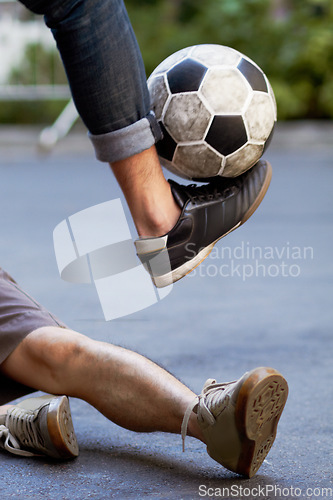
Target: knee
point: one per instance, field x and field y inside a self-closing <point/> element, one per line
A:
<point x="49" y="7"/>
<point x="63" y="353"/>
<point x="50" y="359"/>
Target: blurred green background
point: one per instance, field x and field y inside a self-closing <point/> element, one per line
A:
<point x="291" y="40"/>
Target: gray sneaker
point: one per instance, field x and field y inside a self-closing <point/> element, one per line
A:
<point x="208" y="213"/>
<point x="39" y="426"/>
<point x="239" y="419"/>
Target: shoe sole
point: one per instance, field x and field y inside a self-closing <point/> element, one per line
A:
<point x="188" y="267"/>
<point x="259" y="406"/>
<point x="61" y="429"/>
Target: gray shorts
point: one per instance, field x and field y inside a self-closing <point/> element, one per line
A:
<point x="20" y="314"/>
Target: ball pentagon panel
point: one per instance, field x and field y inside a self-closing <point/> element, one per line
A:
<point x="227" y="134"/>
<point x="253" y="75"/>
<point x="186" y="76"/>
<point x="171" y="61"/>
<point x="167" y="146"/>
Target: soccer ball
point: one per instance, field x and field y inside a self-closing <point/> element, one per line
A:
<point x="216" y="109"/>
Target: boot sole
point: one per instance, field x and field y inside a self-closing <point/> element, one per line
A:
<point x="259" y="406"/>
<point x="188" y="267"/>
<point x="61" y="429"/>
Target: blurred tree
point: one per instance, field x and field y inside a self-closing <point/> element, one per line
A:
<point x="39" y="65"/>
<point x="291" y="41"/>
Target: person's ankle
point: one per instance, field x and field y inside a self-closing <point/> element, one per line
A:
<point x="193" y="428"/>
<point x="157" y="221"/>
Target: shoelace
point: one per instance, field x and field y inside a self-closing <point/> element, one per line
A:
<point x="213" y="395"/>
<point x="221" y="189"/>
<point x="10" y="444"/>
<point x="20" y="429"/>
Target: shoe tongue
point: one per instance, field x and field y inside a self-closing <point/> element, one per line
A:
<point x="178" y="193"/>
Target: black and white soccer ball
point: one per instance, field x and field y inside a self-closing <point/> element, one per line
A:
<point x="217" y="111"/>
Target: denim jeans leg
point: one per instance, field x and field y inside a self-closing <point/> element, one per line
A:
<point x="105" y="71"/>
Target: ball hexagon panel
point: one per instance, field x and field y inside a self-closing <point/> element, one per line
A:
<point x="271" y="93"/>
<point x="186" y="76"/>
<point x="269" y="140"/>
<point x="227" y="134"/>
<point x="197" y="160"/>
<point x="214" y="55"/>
<point x="186" y="117"/>
<point x="254" y="75"/>
<point x="225" y="90"/>
<point x="159" y="94"/>
<point x="248" y="155"/>
<point x="259" y="117"/>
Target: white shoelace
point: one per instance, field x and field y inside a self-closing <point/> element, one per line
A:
<point x="213" y="395"/>
<point x="20" y="430"/>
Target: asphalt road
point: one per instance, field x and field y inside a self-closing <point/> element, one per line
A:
<point x="266" y="301"/>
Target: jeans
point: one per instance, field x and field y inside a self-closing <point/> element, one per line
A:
<point x="105" y="71"/>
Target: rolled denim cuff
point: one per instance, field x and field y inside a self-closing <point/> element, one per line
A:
<point x="128" y="141"/>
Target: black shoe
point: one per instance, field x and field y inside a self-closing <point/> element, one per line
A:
<point x="209" y="212"/>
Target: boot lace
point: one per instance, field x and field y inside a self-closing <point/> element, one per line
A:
<point x="20" y="429"/>
<point x="220" y="188"/>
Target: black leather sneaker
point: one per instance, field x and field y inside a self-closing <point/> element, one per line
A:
<point x="209" y="212"/>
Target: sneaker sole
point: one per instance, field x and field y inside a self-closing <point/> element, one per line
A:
<point x="184" y="269"/>
<point x="259" y="406"/>
<point x="61" y="429"/>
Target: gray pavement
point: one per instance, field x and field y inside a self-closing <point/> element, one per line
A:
<point x="271" y="304"/>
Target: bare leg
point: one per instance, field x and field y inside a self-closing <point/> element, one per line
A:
<point x="147" y="193"/>
<point x="126" y="387"/>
